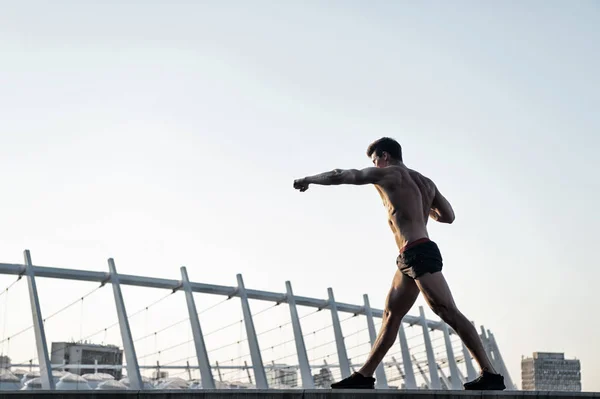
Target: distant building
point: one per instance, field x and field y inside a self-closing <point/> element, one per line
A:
<point x="324" y="379"/>
<point x="160" y="375"/>
<point x="282" y="374"/>
<point x="550" y="372"/>
<point x="88" y="354"/>
<point x="4" y="362"/>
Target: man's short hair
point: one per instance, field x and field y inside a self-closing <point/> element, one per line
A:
<point x="385" y="144"/>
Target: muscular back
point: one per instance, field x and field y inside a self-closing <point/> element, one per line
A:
<point x="409" y="198"/>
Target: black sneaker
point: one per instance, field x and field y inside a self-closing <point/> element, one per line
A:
<point x="486" y="382"/>
<point x="355" y="381"/>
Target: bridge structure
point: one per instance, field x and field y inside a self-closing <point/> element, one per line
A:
<point x="417" y="363"/>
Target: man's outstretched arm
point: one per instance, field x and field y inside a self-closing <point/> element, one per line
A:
<point x="342" y="176"/>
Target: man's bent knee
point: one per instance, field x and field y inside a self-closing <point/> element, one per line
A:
<point x="393" y="315"/>
<point x="448" y="314"/>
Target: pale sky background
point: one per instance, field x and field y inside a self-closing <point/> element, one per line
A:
<point x="168" y="133"/>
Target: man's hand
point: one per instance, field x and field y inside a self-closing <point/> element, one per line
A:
<point x="301" y="184"/>
<point x="441" y="210"/>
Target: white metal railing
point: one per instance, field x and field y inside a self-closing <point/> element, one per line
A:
<point x="31" y="272"/>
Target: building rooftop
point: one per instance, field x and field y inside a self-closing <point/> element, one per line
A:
<point x="88" y="344"/>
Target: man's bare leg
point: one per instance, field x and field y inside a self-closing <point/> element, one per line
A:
<point x="400" y="299"/>
<point x="437" y="294"/>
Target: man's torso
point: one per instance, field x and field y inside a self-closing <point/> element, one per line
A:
<point x="407" y="196"/>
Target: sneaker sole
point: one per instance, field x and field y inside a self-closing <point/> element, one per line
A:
<point x="487" y="388"/>
<point x="354" y="387"/>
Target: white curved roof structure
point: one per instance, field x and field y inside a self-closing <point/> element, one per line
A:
<point x="72" y="382"/>
<point x="145" y="380"/>
<point x="9" y="381"/>
<point x="29" y="376"/>
<point x="34" y="384"/>
<point x="173" y="383"/>
<point x="95" y="379"/>
<point x="111" y="385"/>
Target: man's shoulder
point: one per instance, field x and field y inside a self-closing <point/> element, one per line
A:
<point x="394" y="171"/>
<point x="415" y="173"/>
<point x="422" y="181"/>
<point x="398" y="174"/>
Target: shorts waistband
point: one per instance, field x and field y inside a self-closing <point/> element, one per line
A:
<point x="414" y="243"/>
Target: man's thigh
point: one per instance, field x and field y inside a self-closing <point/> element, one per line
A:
<point x="402" y="295"/>
<point x="435" y="290"/>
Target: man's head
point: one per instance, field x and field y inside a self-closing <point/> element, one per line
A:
<point x="384" y="152"/>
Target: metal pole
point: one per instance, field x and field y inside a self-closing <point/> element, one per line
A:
<point x="381" y="380"/>
<point x="503" y="368"/>
<point x="206" y="375"/>
<point x="247" y="371"/>
<point x="444" y="378"/>
<point x="435" y="379"/>
<point x="189" y="370"/>
<point x="38" y="327"/>
<point x="339" y="337"/>
<point x="402" y="375"/>
<point x="305" y="372"/>
<point x="488" y="347"/>
<point x="257" y="363"/>
<point x="455" y="379"/>
<point x="409" y="375"/>
<point x="219" y="372"/>
<point x="423" y="373"/>
<point x="461" y="376"/>
<point x="471" y="373"/>
<point x="133" y="370"/>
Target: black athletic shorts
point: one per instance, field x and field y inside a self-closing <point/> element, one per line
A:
<point x="420" y="257"/>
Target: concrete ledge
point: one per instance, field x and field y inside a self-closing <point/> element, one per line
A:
<point x="292" y="394"/>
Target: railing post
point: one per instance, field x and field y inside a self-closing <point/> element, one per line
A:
<point x="305" y="372"/>
<point x="219" y="371"/>
<point x="423" y="374"/>
<point x="381" y="380"/>
<point x="444" y="379"/>
<point x="409" y="375"/>
<point x="435" y="379"/>
<point x="461" y="376"/>
<point x="400" y="372"/>
<point x="247" y="371"/>
<point x="500" y="360"/>
<point x="133" y="370"/>
<point x="206" y="375"/>
<point x="38" y="327"/>
<point x="257" y="363"/>
<point x="471" y="373"/>
<point x="339" y="337"/>
<point x="455" y="379"/>
<point x="487" y="345"/>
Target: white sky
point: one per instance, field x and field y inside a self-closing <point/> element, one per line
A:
<point x="168" y="133"/>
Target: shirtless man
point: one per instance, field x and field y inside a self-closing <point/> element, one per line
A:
<point x="410" y="199"/>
